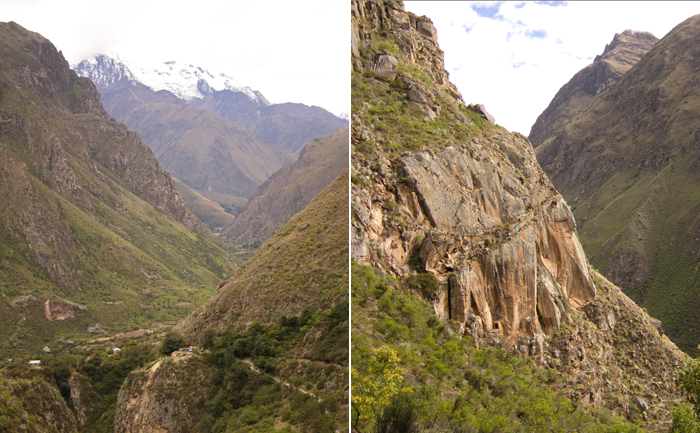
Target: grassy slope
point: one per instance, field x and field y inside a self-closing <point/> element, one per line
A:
<point x="290" y="189"/>
<point x="303" y="263"/>
<point x="630" y="177"/>
<point x="211" y="213"/>
<point x="126" y="264"/>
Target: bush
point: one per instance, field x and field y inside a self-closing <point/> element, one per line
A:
<point x="208" y="338"/>
<point x="689" y="381"/>
<point x="426" y="284"/>
<point x="172" y="342"/>
<point x="400" y="416"/>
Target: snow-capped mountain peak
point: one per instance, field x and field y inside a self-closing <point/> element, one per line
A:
<point x="186" y="81"/>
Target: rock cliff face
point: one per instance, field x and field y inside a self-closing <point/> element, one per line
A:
<point x="290" y="189"/>
<point x="479" y="215"/>
<point x="458" y="210"/>
<point x="165" y="398"/>
<point x="626" y="164"/>
<point x="619" y="56"/>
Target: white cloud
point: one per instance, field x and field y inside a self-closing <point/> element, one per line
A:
<point x="515" y="62"/>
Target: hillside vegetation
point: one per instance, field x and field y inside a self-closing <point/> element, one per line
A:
<point x="94" y="237"/>
<point x="628" y="164"/>
<point x="474" y="308"/>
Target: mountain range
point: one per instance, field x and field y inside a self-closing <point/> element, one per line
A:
<point x="290" y="189"/>
<point x="95" y="236"/>
<point x="100" y="255"/>
<point x="218" y="137"/>
<point x="627" y="162"/>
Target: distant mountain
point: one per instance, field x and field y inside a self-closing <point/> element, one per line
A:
<point x="288" y="125"/>
<point x="94" y="236"/>
<point x="204" y="151"/>
<point x="290" y="189"/>
<point x="211" y="213"/>
<point x="619" y="56"/>
<point x="186" y="82"/>
<point x="628" y="164"/>
<point x="305" y="263"/>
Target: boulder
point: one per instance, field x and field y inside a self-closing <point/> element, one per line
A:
<point x="480" y="109"/>
<point x="386" y="66"/>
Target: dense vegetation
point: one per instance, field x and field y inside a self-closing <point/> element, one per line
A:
<point x="272" y="391"/>
<point x="413" y="370"/>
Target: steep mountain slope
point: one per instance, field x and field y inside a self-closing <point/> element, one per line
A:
<point x="290" y="189"/>
<point x="628" y="164"/>
<point x="201" y="149"/>
<point x="288" y="125"/>
<point x="303" y="264"/>
<point x="467" y="254"/>
<point x="211" y="213"/>
<point x="619" y="56"/>
<point x="32" y="404"/>
<point x="281" y="317"/>
<point x="94" y="237"/>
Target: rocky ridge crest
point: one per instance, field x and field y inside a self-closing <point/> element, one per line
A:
<point x="623" y="52"/>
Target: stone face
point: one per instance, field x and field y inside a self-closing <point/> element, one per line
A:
<point x="142" y="406"/>
<point x="386" y="66"/>
<point x="506" y="251"/>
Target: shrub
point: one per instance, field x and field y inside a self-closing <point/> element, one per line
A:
<point x="172" y="342"/>
<point x="400" y="416"/>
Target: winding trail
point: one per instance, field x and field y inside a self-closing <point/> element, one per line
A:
<point x="283" y="382"/>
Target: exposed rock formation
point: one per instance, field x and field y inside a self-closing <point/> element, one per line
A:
<point x="619" y="56"/>
<point x="481" y="216"/>
<point x="167" y="398"/>
<point x="458" y="210"/>
<point x="33" y="405"/>
<point x="290" y="189"/>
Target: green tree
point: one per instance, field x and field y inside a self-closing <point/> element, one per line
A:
<point x="689" y="381"/>
<point x="172" y="342"/>
<point x="374" y="386"/>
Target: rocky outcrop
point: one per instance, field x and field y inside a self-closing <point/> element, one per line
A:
<point x="625" y="50"/>
<point x="479" y="215"/>
<point x="503" y="249"/>
<point x="167" y="398"/>
<point x="83" y="396"/>
<point x="34" y="405"/>
<point x="290" y="189"/>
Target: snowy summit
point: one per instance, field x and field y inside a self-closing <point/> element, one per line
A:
<point x="185" y="81"/>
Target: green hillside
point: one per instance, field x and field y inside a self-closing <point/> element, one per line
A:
<point x="95" y="239"/>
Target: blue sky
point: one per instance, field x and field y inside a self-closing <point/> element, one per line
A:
<point x="291" y="52"/>
<point x="514" y="56"/>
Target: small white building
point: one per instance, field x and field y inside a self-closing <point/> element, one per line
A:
<point x="116" y="350"/>
<point x="34" y="363"/>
